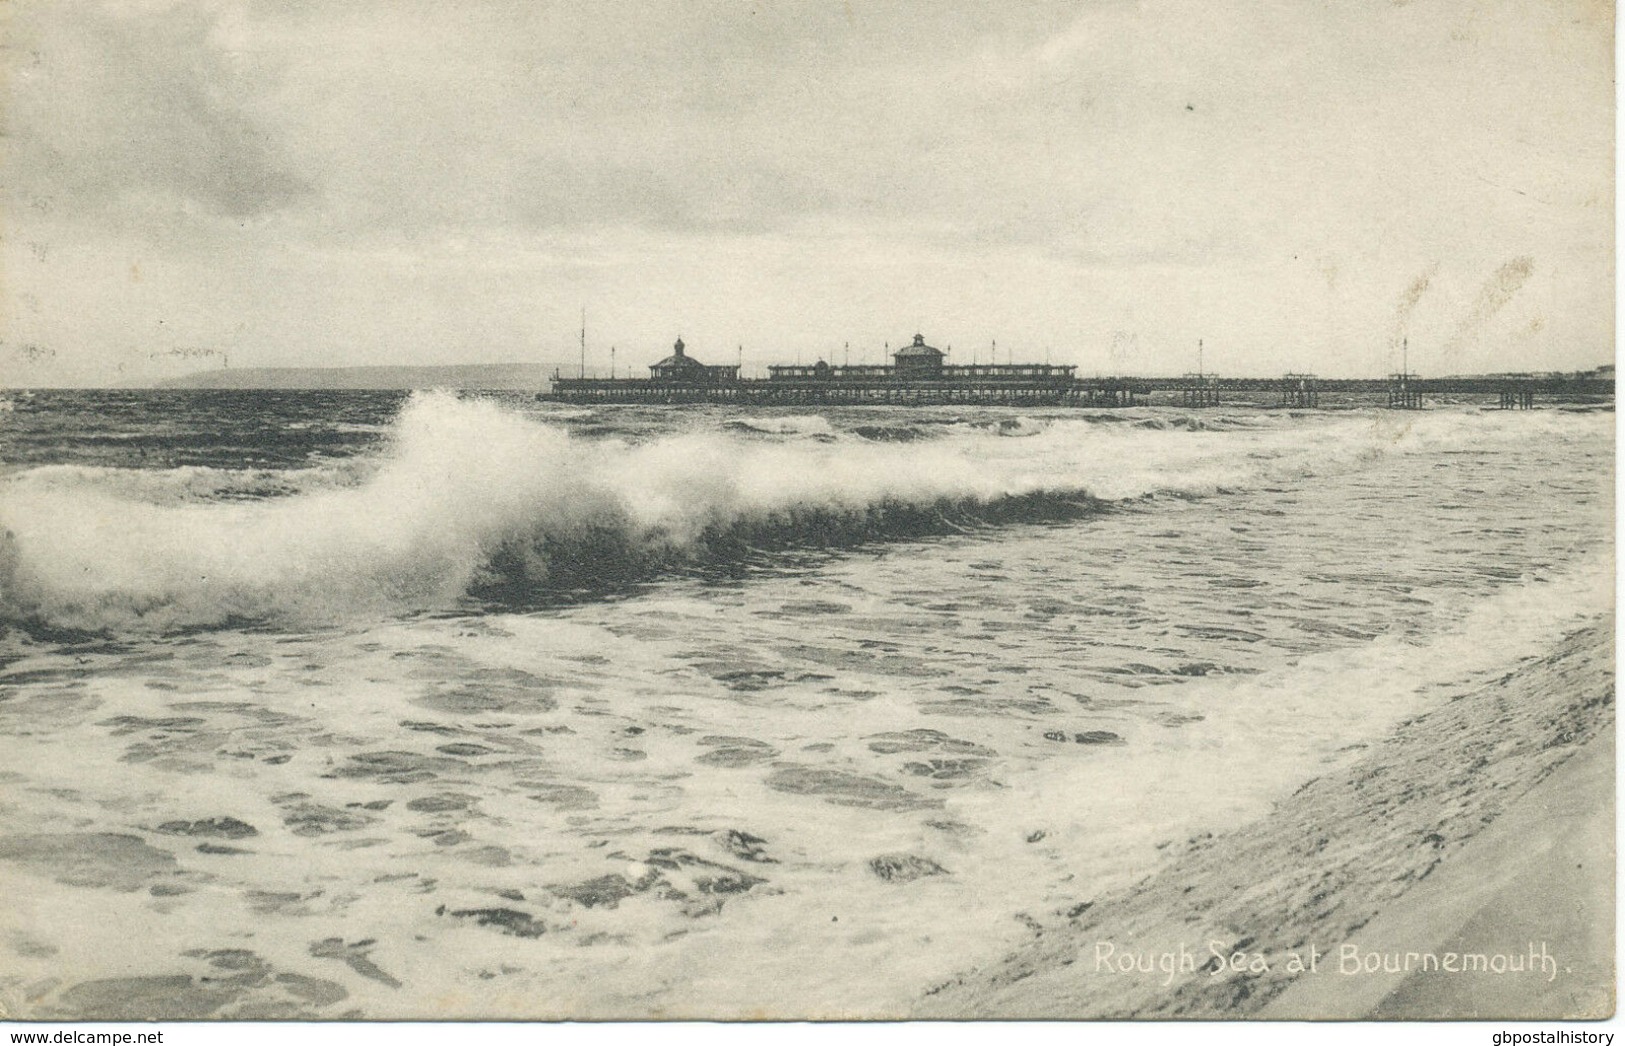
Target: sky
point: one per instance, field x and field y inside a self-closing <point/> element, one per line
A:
<point x="1302" y="185"/>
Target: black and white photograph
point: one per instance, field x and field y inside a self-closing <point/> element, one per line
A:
<point x="808" y="511"/>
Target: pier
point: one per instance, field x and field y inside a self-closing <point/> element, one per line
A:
<point x="919" y="376"/>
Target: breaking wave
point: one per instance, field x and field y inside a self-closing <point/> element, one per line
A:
<point x="812" y="425"/>
<point x="473" y="500"/>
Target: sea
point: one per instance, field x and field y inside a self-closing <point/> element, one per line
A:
<point x="433" y="705"/>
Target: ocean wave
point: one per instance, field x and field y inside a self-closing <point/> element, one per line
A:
<point x="1018" y="426"/>
<point x="187" y="484"/>
<point x="813" y="425"/>
<point x="1192" y="422"/>
<point x="471" y="499"/>
<point x="893" y="433"/>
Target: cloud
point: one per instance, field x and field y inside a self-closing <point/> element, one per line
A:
<point x="364" y="179"/>
<point x="119" y="111"/>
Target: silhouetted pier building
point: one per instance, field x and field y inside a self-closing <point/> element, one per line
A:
<point x="918" y="362"/>
<point x="682" y="369"/>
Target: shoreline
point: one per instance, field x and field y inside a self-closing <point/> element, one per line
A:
<point x="1457" y="834"/>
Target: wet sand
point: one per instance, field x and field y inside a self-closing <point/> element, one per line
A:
<point x="1481" y="828"/>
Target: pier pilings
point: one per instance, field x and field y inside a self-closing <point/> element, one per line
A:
<point x="1403" y="392"/>
<point x="1519" y="396"/>
<point x="1199" y="390"/>
<point x="1300" y="390"/>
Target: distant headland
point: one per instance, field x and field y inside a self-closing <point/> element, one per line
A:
<point x="482" y="376"/>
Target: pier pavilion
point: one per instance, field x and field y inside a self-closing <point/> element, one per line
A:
<point x="682" y="369"/>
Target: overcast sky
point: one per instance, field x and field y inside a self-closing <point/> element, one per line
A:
<point x="1300" y="184"/>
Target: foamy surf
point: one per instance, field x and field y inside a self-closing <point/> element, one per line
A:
<point x="468" y="497"/>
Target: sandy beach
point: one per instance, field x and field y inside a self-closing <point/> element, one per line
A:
<point x="1462" y="867"/>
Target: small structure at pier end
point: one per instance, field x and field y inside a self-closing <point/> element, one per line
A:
<point x="918" y="361"/>
<point x="682" y="369"/>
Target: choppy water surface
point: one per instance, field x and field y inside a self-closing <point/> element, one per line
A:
<point x="365" y="704"/>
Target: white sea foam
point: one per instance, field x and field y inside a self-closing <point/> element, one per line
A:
<point x="462" y="481"/>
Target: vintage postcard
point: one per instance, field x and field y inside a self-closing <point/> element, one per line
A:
<point x="806" y="510"/>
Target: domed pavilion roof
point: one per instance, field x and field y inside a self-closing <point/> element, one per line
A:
<point x="918" y="350"/>
<point x="678" y="359"/>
